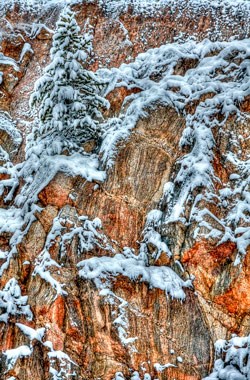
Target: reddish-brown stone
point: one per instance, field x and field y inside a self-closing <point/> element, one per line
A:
<point x="82" y="323"/>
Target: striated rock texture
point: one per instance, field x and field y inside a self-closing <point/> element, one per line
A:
<point x="82" y="322"/>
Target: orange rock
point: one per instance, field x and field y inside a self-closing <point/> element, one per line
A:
<point x="57" y="192"/>
<point x="84" y="324"/>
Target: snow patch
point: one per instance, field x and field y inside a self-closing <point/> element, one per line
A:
<point x="66" y="227"/>
<point x="120" y="310"/>
<point x="12" y="303"/>
<point x="13" y="355"/>
<point x="161" y="367"/>
<point x="232" y="360"/>
<point x="98" y="269"/>
<point x="31" y="333"/>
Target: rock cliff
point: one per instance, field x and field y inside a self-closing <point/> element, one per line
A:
<point x="144" y="267"/>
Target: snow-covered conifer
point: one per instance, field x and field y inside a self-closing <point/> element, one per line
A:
<point x="68" y="101"/>
<point x="67" y="95"/>
<point x="12" y="302"/>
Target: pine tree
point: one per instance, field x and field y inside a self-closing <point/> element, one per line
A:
<point x="67" y="95"/>
<point x="68" y="98"/>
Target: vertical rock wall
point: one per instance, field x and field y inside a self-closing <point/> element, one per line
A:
<point x="81" y="324"/>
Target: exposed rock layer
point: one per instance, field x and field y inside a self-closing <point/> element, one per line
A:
<point x="81" y="324"/>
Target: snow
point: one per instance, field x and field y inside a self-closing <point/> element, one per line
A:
<point x="98" y="269"/>
<point x="8" y="125"/>
<point x="160" y="63"/>
<point x="34" y="29"/>
<point x="61" y="366"/>
<point x="29" y="5"/>
<point x="31" y="333"/>
<point x="232" y="360"/>
<point x="119" y="376"/>
<point x="152" y="7"/>
<point x="142" y="7"/>
<point x="220" y="346"/>
<point x="68" y="116"/>
<point x="43" y="263"/>
<point x="67" y="96"/>
<point x="134" y="376"/>
<point x="48" y="166"/>
<point x="12" y="303"/>
<point x="4" y="60"/>
<point x="26" y="49"/>
<point x="13" y="355"/>
<point x="152" y="237"/>
<point x="220" y="73"/>
<point x="152" y="72"/>
<point x="88" y="236"/>
<point x="161" y="368"/>
<point x="238" y="197"/>
<point x="121" y="322"/>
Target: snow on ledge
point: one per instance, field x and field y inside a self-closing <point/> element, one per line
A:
<point x="99" y="268"/>
<point x="16" y="353"/>
<point x="149" y="8"/>
<point x="161" y="367"/>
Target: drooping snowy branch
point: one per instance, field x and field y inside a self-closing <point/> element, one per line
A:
<point x="232" y="359"/>
<point x="14" y="354"/>
<point x="153" y="245"/>
<point x="31" y="333"/>
<point x="61" y="366"/>
<point x="63" y="232"/>
<point x="13" y="140"/>
<point x="12" y="303"/>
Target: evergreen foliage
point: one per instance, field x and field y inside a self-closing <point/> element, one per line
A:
<point x="68" y="101"/>
<point x="67" y="95"/>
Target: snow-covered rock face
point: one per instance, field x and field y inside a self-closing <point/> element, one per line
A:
<point x="124" y="232"/>
<point x="221" y="78"/>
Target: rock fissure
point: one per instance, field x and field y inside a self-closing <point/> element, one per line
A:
<point x="105" y="228"/>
